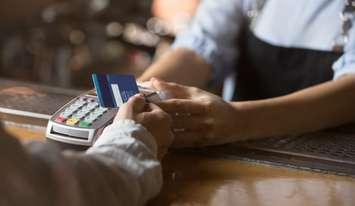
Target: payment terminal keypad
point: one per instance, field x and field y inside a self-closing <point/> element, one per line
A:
<point x="81" y="113"/>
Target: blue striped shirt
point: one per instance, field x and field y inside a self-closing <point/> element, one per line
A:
<point x="289" y="23"/>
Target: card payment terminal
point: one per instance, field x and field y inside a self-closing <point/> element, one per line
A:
<point x="81" y="121"/>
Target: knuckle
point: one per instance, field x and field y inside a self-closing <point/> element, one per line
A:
<point x="194" y="89"/>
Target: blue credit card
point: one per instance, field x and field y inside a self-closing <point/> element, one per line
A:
<point x="114" y="90"/>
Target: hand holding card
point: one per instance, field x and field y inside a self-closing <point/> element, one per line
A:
<point x="115" y="90"/>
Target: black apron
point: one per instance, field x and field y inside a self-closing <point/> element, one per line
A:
<point x="266" y="71"/>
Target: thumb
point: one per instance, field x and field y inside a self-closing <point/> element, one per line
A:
<point x="136" y="103"/>
<point x="172" y="89"/>
<point x="130" y="109"/>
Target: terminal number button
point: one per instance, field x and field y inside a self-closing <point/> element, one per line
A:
<point x="84" y="124"/>
<point x="60" y="119"/>
<point x="72" y="121"/>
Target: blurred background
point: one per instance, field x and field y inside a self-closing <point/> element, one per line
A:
<point x="61" y="42"/>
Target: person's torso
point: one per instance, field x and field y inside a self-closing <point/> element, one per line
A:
<point x="301" y="24"/>
<point x="288" y="49"/>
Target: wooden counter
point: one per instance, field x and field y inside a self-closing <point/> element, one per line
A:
<point x="193" y="179"/>
<point x="196" y="180"/>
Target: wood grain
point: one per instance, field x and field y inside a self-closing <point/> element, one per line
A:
<point x="193" y="179"/>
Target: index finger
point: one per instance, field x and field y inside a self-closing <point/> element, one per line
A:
<point x="173" y="89"/>
<point x="183" y="106"/>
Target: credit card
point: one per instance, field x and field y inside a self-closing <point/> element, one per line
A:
<point x="114" y="90"/>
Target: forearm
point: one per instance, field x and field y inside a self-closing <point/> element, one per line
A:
<point x="120" y="169"/>
<point x="326" y="105"/>
<point x="130" y="151"/>
<point x="182" y="66"/>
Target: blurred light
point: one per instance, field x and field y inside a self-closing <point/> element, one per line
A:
<point x="49" y="15"/>
<point x="149" y="39"/>
<point x="157" y="26"/>
<point x="76" y="37"/>
<point x="99" y="5"/>
<point x="112" y="51"/>
<point x="137" y="35"/>
<point x="162" y="27"/>
<point x="114" y="29"/>
<point x="130" y="33"/>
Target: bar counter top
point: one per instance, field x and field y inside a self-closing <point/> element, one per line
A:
<point x="202" y="178"/>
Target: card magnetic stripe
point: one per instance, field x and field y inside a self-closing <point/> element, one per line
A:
<point x="103" y="91"/>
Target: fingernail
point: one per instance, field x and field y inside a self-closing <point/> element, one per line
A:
<point x="155" y="79"/>
<point x="139" y="95"/>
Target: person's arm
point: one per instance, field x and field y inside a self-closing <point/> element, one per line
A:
<point x="180" y="65"/>
<point x="326" y="105"/>
<point x="206" y="119"/>
<point x="322" y="106"/>
<point x="207" y="49"/>
<point x="120" y="169"/>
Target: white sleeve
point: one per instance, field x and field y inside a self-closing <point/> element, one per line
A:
<point x="130" y="147"/>
<point x="346" y="63"/>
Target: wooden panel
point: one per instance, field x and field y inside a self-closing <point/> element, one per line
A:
<point x="26" y="132"/>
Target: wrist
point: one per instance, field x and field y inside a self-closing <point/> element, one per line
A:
<point x="252" y="120"/>
<point x="119" y="131"/>
<point x="242" y="122"/>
